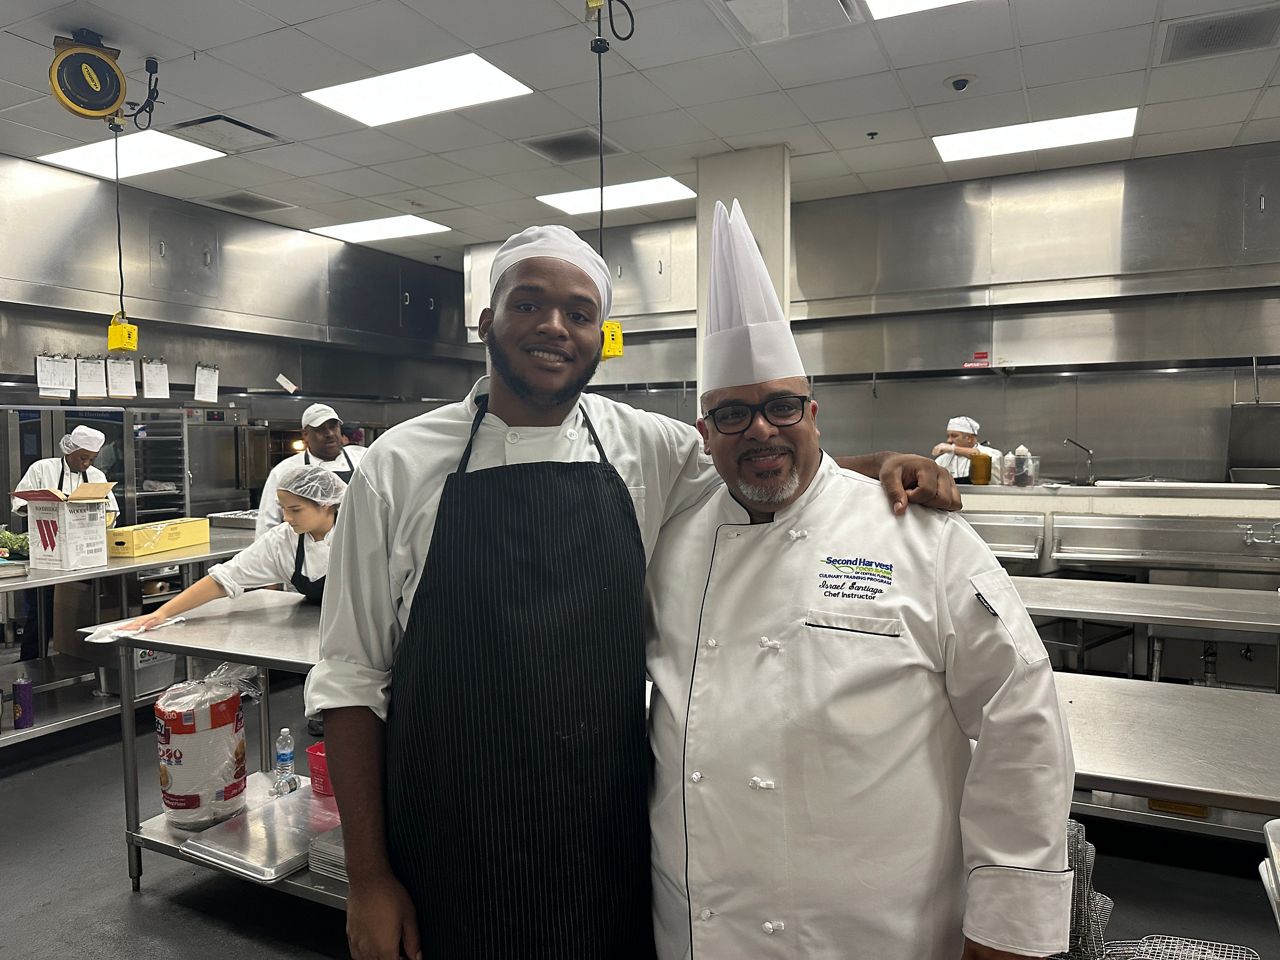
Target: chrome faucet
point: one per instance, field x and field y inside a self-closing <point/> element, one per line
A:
<point x="1088" y="456"/>
<point x="1250" y="538"/>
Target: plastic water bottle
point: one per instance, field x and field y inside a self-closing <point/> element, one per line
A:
<point x="285" y="781"/>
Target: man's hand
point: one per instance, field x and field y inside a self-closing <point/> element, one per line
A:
<point x="976" y="951"/>
<point x="381" y="923"/>
<point x="908" y="478"/>
<point x="940" y="448"/>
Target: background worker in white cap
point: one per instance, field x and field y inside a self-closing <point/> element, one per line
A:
<point x="75" y="466"/>
<point x="322" y="434"/>
<point x="481" y="670"/>
<point x="956" y="453"/>
<point x="820" y="666"/>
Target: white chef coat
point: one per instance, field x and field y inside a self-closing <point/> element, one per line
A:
<point x="958" y="466"/>
<point x="817" y="682"/>
<point x="269" y="512"/>
<point x="269" y="560"/>
<point x="43" y="475"/>
<point x="389" y="511"/>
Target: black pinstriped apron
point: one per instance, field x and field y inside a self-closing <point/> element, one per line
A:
<point x="517" y="759"/>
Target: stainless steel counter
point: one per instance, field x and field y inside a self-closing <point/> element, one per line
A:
<point x="973" y="493"/>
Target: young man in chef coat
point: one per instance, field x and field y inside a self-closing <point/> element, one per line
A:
<point x="322" y="435"/>
<point x="482" y="643"/>
<point x="820" y="667"/>
<point x="79" y="449"/>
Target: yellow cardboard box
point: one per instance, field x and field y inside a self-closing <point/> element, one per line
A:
<point x="143" y="539"/>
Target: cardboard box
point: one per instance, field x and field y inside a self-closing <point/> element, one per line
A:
<point x="144" y="539"/>
<point x="67" y="531"/>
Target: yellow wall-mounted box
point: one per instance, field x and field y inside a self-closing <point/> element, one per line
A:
<point x="122" y="336"/>
<point x="143" y="539"/>
<point x="612" y="346"/>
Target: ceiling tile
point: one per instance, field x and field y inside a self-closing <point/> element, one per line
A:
<point x="1043" y="20"/>
<point x="303" y="193"/>
<point x="366" y="147"/>
<point x="469" y="220"/>
<point x="1085" y="154"/>
<point x="353" y="211"/>
<point x="947" y="33"/>
<point x="992" y="72"/>
<point x="25" y="62"/>
<point x="1184" y="141"/>
<point x="1268" y="104"/>
<point x="178" y="183"/>
<point x="495" y="158"/>
<point x="292" y="61"/>
<point x="415" y="201"/>
<point x="45" y="114"/>
<point x="134" y="41"/>
<point x="831" y="55"/>
<point x="483" y="24"/>
<point x="206" y="80"/>
<point x="497" y="232"/>
<point x="12" y="95"/>
<point x="1186" y="81"/>
<point x="15" y="11"/>
<point x="516" y="211"/>
<point x="1189" y="8"/>
<point x="543" y="180"/>
<point x="845" y="186"/>
<point x="726" y="76"/>
<point x="1202" y="112"/>
<point x="657" y="130"/>
<point x="626" y="168"/>
<point x="1087" y="96"/>
<point x="905" y="177"/>
<point x="1095" y="55"/>
<point x="681" y="30"/>
<point x="453" y="240"/>
<point x="675" y="210"/>
<point x="817" y="166"/>
<point x="299" y="159"/>
<point x="528" y="116"/>
<point x="1260" y="131"/>
<point x="1000" y="110"/>
<point x="425" y="171"/>
<point x="299" y="11"/>
<point x="385" y="35"/>
<point x="628" y="95"/>
<point x="554" y="59"/>
<point x="237" y="172"/>
<point x="471" y="192"/>
<point x="440" y="257"/>
<point x="749" y="114"/>
<point x="20" y="141"/>
<point x="888" y="156"/>
<point x="803" y="140"/>
<point x="878" y="93"/>
<point x="361" y="182"/>
<point x="295" y="217"/>
<point x="683" y="158"/>
<point x="586" y="224"/>
<point x="173" y="108"/>
<point x="440" y="132"/>
<point x="888" y="128"/>
<point x="197" y="26"/>
<point x="295" y="118"/>
<point x="985" y="167"/>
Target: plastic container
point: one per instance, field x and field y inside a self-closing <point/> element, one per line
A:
<point x="980" y="469"/>
<point x="1026" y="471"/>
<point x="318" y="770"/>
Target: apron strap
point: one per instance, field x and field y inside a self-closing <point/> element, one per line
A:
<point x="306" y="458"/>
<point x="299" y="556"/>
<point x="347" y="457"/>
<point x="594" y="436"/>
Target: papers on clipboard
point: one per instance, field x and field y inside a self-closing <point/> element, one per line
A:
<point x="56" y="376"/>
<point x="206" y="384"/>
<point x="91" y="378"/>
<point x="122" y="381"/>
<point x="155" y="379"/>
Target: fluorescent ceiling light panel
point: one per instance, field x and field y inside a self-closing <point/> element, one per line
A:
<point x="140" y="153"/>
<point x="431" y="88"/>
<point x="387" y="228"/>
<point x="884" y="9"/>
<point x="620" y="195"/>
<point x="1041" y="135"/>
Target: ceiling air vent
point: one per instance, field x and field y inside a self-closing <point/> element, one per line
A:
<point x="225" y="134"/>
<point x="763" y="21"/>
<point x="244" y="202"/>
<point x="570" y="147"/>
<point x="1214" y="36"/>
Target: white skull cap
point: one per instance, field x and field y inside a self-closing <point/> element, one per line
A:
<point x="963" y="425"/>
<point x="559" y="243"/>
<point x="83" y="438"/>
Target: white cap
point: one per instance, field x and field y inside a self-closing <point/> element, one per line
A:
<point x="560" y="243"/>
<point x="83" y="438"/>
<point x="963" y="425"/>
<point x="748" y="337"/>
<point x="319" y="413"/>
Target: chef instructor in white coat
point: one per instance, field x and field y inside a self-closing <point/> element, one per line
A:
<point x="322" y="435"/>
<point x="482" y="648"/>
<point x="820" y="667"/>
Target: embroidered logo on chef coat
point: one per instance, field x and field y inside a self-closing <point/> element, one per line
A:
<point x="854" y="578"/>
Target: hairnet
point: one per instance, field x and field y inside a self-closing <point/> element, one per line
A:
<point x="82" y="438"/>
<point x="315" y="483"/>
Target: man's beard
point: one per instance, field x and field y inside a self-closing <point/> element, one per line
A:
<point x="523" y="389"/>
<point x="758" y="493"/>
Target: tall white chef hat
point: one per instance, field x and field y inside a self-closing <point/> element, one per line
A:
<point x="963" y="425"/>
<point x="559" y="243"/>
<point x="82" y="438"/>
<point x="319" y="413"/>
<point x="748" y="338"/>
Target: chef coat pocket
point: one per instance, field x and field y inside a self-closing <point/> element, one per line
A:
<point x="995" y="591"/>
<point x="848" y="623"/>
<point x="637" y="501"/>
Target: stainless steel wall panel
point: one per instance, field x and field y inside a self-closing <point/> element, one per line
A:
<point x="184" y="255"/>
<point x="664" y="359"/>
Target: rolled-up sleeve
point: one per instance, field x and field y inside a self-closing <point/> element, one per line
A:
<point x="1017" y="795"/>
<point x="264" y="563"/>
<point x="358" y="625"/>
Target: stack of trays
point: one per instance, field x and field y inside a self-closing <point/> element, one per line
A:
<point x="327" y="857"/>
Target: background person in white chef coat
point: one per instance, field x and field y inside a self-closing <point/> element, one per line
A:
<point x="957" y="451"/>
<point x="295" y="553"/>
<point x="482" y="652"/>
<point x="820" y="667"/>
<point x="80" y="448"/>
<point x="322" y="434"/>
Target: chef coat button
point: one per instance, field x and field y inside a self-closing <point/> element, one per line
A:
<point x="767" y="644"/>
<point x="713" y="642"/>
<point x="571" y="434"/>
<point x="513" y="437"/>
<point x="756" y="783"/>
<point x="705" y="915"/>
<point x="696" y="776"/>
<point x="773" y="926"/>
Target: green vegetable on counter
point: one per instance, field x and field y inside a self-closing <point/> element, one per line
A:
<point x="15" y="543"/>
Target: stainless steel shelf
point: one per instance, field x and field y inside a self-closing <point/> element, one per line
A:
<point x="67" y="708"/>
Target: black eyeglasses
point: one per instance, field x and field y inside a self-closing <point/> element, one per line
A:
<point x="733" y="418"/>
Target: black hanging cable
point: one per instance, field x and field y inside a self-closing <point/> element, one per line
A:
<point x="600" y="46"/>
<point x="119" y="230"/>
